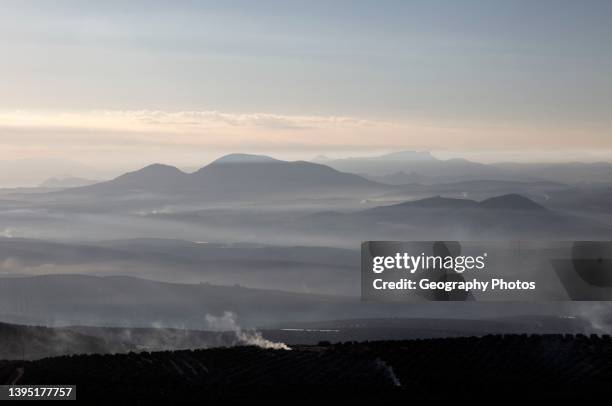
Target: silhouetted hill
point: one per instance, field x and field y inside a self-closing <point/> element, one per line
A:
<point x="411" y="166"/>
<point x="236" y="176"/>
<point x="436" y="202"/>
<point x="406" y="156"/>
<point x="240" y="174"/>
<point x="502" y="217"/>
<point x="505" y="202"/>
<point x="567" y="172"/>
<point x="152" y="178"/>
<point x="510" y="202"/>
<point x="32" y="171"/>
<point x="244" y="159"/>
<point x="67" y="182"/>
<point x="35" y="342"/>
<point x="548" y="367"/>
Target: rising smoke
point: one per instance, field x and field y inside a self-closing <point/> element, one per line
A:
<point x="227" y="322"/>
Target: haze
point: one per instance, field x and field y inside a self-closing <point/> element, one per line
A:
<point x="118" y="85"/>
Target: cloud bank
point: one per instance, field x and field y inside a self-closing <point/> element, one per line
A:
<point x="192" y="137"/>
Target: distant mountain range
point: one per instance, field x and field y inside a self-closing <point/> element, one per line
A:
<point x="501" y="217"/>
<point x="497" y="207"/>
<point x="257" y="177"/>
<point x="397" y="168"/>
<point x="255" y="198"/>
<point x="31" y="172"/>
<point x="400" y="156"/>
<point x="416" y="167"/>
<point x="422" y="167"/>
<point x="67" y="182"/>
<point x="505" y="202"/>
<point x="237" y="176"/>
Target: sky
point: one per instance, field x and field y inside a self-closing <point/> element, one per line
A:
<point x="120" y="84"/>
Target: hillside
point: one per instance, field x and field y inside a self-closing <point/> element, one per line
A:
<point x="549" y="367"/>
<point x="500" y="217"/>
<point x="503" y="202"/>
<point x="25" y="342"/>
<point x="235" y="176"/>
<point x="407" y="167"/>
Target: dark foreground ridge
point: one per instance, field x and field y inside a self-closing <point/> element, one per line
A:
<point x="490" y="367"/>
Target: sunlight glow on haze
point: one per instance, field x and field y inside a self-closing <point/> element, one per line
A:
<point x="183" y="82"/>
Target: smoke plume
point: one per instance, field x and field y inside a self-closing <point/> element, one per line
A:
<point x="227" y="322"/>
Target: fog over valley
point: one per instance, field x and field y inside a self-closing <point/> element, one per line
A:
<point x="275" y="241"/>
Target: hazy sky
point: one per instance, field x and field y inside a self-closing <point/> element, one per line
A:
<point x="182" y="82"/>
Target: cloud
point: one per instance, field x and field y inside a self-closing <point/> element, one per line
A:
<point x="213" y="119"/>
<point x="134" y="119"/>
<point x="193" y="136"/>
<point x="32" y="132"/>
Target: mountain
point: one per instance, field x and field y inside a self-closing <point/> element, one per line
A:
<point x="237" y="176"/>
<point x="500" y="217"/>
<point x="67" y="182"/>
<point x="244" y="159"/>
<point x="565" y="172"/>
<point x="506" y="202"/>
<point x="31" y="172"/>
<point x="437" y="202"/>
<point x="510" y="202"/>
<point x="408" y="156"/>
<point x="152" y="178"/>
<point x="503" y="217"/>
<point x="240" y="174"/>
<point x="416" y="166"/>
<point x="406" y="167"/>
<point x="539" y="191"/>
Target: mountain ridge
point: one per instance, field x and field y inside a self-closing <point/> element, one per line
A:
<point x="510" y="201"/>
<point x="235" y="176"/>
